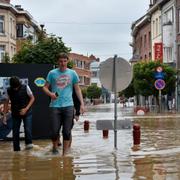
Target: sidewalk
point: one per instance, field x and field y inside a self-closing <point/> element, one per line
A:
<point x="128" y="112"/>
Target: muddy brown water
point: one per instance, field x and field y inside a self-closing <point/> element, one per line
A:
<point x="92" y="157"/>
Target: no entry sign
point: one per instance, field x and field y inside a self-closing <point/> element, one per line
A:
<point x="159" y="84"/>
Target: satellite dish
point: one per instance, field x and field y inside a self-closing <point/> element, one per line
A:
<point x="123" y="74"/>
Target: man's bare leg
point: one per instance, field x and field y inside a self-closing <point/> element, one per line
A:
<point x="70" y="141"/>
<point x="66" y="144"/>
<point x="55" y="146"/>
<point x="59" y="141"/>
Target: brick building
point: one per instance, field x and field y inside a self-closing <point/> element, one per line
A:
<point x="82" y="67"/>
<point x="141" y="33"/>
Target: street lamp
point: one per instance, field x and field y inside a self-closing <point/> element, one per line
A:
<point x="42" y="26"/>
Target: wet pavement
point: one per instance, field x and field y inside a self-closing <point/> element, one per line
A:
<point x="92" y="157"/>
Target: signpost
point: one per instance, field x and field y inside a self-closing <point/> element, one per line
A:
<point x="159" y="83"/>
<point x="115" y="75"/>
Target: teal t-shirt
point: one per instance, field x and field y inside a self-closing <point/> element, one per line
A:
<point x="62" y="83"/>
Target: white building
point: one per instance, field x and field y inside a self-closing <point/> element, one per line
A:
<point x="94" y="68"/>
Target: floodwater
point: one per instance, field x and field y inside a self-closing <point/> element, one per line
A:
<point x="92" y="157"/>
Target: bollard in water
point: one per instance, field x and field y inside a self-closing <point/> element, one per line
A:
<point x="136" y="134"/>
<point x="86" y="125"/>
<point x="105" y="133"/>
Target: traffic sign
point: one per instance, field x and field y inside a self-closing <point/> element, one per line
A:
<point x="159" y="84"/>
<point x="159" y="75"/>
<point x="159" y="69"/>
<point x="123" y="74"/>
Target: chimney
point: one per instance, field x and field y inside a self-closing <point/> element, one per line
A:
<point x="5" y="1"/>
<point x="151" y="3"/>
<point x="18" y="7"/>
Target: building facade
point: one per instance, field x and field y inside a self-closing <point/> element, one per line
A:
<point x="94" y="68"/>
<point x="141" y="33"/>
<point x="169" y="33"/>
<point x="164" y="18"/>
<point x="82" y="67"/>
<point x="156" y="37"/>
<point x="16" y="25"/>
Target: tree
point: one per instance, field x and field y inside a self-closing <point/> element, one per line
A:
<point x="44" y="51"/>
<point x="84" y="92"/>
<point x="144" y="78"/>
<point x="93" y="92"/>
<point x="128" y="92"/>
<point x="6" y="58"/>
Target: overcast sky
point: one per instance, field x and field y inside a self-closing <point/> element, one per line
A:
<point x="98" y="27"/>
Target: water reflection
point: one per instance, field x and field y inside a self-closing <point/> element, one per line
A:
<point x="94" y="157"/>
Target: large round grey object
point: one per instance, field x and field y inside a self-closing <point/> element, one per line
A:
<point x="123" y="74"/>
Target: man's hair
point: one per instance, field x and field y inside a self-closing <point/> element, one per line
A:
<point x="62" y="55"/>
<point x="14" y="82"/>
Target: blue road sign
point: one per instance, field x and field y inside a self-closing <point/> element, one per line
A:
<point x="159" y="75"/>
<point x="159" y="84"/>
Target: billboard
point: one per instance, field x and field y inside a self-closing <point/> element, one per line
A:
<point x="158" y="52"/>
<point x="28" y="73"/>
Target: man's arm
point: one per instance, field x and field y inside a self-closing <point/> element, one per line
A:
<point x="5" y="110"/>
<point x="48" y="92"/>
<point x="31" y="101"/>
<point x="80" y="97"/>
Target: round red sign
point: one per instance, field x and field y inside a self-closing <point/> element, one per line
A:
<point x="159" y="84"/>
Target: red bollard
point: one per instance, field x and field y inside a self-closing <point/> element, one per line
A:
<point x="105" y="133"/>
<point x="136" y="134"/>
<point x="86" y="125"/>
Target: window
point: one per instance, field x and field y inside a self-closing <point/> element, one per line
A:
<point x="178" y="61"/>
<point x="157" y="24"/>
<point x="19" y="30"/>
<point x="149" y="39"/>
<point x="1" y="24"/>
<point x="141" y="43"/>
<point x="2" y="52"/>
<point x="167" y="54"/>
<point x="11" y="27"/>
<point x="153" y="29"/>
<point x="81" y="80"/>
<point x="145" y="41"/>
<point x="94" y="74"/>
<point x="178" y="25"/>
<point x="79" y="64"/>
<point x="168" y="16"/>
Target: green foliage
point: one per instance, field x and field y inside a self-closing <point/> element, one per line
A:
<point x="128" y="92"/>
<point x="6" y="58"/>
<point x="84" y="92"/>
<point x="144" y="78"/>
<point x="70" y="64"/>
<point x="93" y="92"/>
<point x="45" y="51"/>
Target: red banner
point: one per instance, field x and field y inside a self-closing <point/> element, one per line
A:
<point x="158" y="52"/>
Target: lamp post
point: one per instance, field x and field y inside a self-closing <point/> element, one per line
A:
<point x="42" y="26"/>
<point x="41" y="34"/>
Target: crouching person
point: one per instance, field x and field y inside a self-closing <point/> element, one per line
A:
<point x="21" y="98"/>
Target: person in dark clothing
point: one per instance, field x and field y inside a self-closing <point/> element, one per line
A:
<point x="21" y="98"/>
<point x="77" y="105"/>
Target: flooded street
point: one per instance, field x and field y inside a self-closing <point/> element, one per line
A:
<point x="93" y="157"/>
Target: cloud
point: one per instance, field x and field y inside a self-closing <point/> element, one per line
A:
<point x="89" y="26"/>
